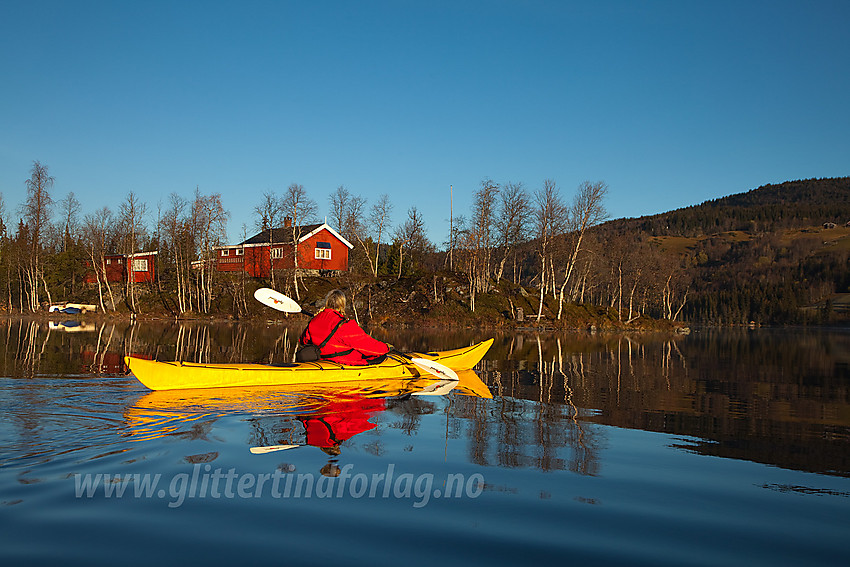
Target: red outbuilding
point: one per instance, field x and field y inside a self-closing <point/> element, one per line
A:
<point x="141" y="266"/>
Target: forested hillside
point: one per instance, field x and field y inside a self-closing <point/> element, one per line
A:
<point x="794" y="204"/>
<point x="768" y="256"/>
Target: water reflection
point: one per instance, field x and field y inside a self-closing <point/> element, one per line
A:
<point x="167" y="412"/>
<point x="99" y="348"/>
<point x="776" y="397"/>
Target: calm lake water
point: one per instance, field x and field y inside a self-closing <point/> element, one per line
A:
<point x="723" y="447"/>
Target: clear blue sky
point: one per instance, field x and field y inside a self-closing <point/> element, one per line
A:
<point x="670" y="103"/>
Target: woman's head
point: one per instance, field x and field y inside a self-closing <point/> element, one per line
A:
<point x="336" y="300"/>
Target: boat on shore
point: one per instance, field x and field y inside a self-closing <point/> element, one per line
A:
<point x="67" y="308"/>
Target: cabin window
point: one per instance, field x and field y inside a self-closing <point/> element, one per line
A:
<point x="238" y="251"/>
<point x="323" y="251"/>
<point x="277" y="253"/>
<point x="225" y="252"/>
<point x="140" y="265"/>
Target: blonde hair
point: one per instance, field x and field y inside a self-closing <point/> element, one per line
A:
<point x="336" y="301"/>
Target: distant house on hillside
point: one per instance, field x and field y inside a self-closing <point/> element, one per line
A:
<point x="319" y="248"/>
<point x="141" y="266"/>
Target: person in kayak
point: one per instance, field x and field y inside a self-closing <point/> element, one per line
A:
<point x="338" y="338"/>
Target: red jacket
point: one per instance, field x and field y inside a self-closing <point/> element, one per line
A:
<point x="349" y="336"/>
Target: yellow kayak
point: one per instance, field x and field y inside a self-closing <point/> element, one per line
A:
<point x="183" y="375"/>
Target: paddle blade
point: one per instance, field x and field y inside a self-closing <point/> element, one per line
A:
<point x="437" y="389"/>
<point x="435" y="368"/>
<point x="276" y="300"/>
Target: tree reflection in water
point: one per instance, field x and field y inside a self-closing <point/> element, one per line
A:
<point x="774" y="396"/>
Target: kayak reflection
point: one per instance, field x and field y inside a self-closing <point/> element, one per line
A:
<point x="284" y="417"/>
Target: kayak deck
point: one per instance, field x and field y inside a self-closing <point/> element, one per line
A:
<point x="184" y="375"/>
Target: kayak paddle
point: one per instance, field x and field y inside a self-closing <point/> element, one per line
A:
<point x="270" y="448"/>
<point x="276" y="300"/>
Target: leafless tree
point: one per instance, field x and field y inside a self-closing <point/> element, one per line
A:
<point x="411" y="235"/>
<point x="176" y="237"/>
<point x="456" y="232"/>
<point x="548" y="220"/>
<point x="131" y="219"/>
<point x="339" y="202"/>
<point x="588" y="209"/>
<point x="481" y="228"/>
<point x="99" y="232"/>
<point x="70" y="208"/>
<point x="347" y="213"/>
<point x="268" y="213"/>
<point x="374" y="230"/>
<point x="674" y="294"/>
<point x="210" y="221"/>
<point x="467" y="256"/>
<point x="268" y="216"/>
<point x="617" y="260"/>
<point x="296" y="205"/>
<point x="37" y="212"/>
<point x="512" y="222"/>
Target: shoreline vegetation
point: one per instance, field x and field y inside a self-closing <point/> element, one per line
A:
<point x="392" y="303"/>
<point x="523" y="258"/>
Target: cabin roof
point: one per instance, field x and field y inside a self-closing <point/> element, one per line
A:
<point x="287" y="235"/>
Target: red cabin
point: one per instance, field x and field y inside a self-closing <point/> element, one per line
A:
<point x="319" y="247"/>
<point x="142" y="267"/>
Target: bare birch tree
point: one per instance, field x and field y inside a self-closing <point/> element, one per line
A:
<point x="466" y="257"/>
<point x="176" y="237"/>
<point x="347" y="213"/>
<point x="482" y="221"/>
<point x="269" y="215"/>
<point x="548" y="221"/>
<point x="99" y="231"/>
<point x="339" y="202"/>
<point x="70" y="208"/>
<point x="411" y="235"/>
<point x="131" y="218"/>
<point x="375" y="229"/>
<point x="296" y="205"/>
<point x="512" y="223"/>
<point x="36" y="212"/>
<point x="210" y="221"/>
<point x="674" y="294"/>
<point x="588" y="209"/>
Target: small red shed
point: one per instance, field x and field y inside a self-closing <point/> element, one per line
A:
<point x="141" y="265"/>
